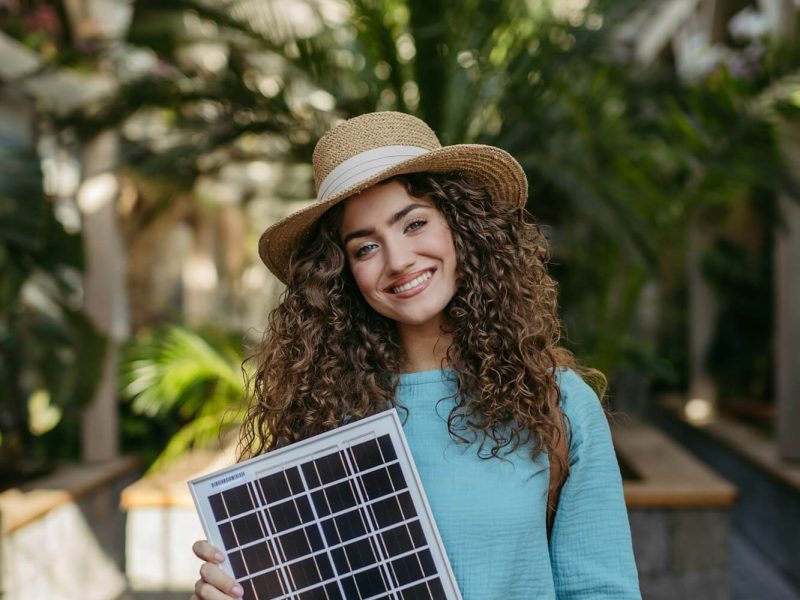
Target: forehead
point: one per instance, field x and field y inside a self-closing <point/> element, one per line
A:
<point x="375" y="205"/>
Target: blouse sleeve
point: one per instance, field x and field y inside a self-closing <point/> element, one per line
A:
<point x="590" y="545"/>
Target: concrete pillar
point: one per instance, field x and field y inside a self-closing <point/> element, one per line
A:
<point x="200" y="275"/>
<point x="787" y="310"/>
<point x="104" y="290"/>
<point x="702" y="316"/>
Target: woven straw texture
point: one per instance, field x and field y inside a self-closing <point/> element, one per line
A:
<point x="495" y="168"/>
<point x="368" y="132"/>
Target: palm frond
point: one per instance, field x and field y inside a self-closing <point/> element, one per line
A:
<point x="176" y="369"/>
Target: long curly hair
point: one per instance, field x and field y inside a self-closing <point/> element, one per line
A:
<point x="328" y="358"/>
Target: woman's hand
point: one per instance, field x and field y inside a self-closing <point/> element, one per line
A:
<point x="214" y="583"/>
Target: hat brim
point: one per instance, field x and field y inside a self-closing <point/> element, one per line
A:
<point x="495" y="168"/>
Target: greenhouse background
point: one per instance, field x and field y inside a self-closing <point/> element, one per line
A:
<point x="145" y="145"/>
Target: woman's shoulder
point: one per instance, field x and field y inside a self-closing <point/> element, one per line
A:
<point x="578" y="400"/>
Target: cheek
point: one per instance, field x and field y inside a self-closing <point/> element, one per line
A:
<point x="362" y="277"/>
<point x="447" y="249"/>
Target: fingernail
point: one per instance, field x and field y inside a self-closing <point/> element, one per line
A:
<point x="218" y="557"/>
<point x="237" y="590"/>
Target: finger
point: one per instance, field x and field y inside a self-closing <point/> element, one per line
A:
<point x="205" y="591"/>
<point x="217" y="578"/>
<point x="205" y="551"/>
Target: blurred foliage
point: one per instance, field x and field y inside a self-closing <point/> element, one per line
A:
<point x="193" y="380"/>
<point x="49" y="351"/>
<point x="740" y="269"/>
<point x="620" y="160"/>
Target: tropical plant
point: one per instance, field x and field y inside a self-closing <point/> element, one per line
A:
<point x="192" y="379"/>
<point x="49" y="351"/>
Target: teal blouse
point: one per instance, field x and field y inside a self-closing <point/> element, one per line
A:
<point x="491" y="513"/>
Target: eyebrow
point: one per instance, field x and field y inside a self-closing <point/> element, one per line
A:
<point x="391" y="221"/>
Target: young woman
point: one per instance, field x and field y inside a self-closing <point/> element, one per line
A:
<point x="416" y="281"/>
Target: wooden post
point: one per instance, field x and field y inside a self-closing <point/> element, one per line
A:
<point x="787" y="309"/>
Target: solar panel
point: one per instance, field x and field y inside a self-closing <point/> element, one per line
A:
<point x="341" y="515"/>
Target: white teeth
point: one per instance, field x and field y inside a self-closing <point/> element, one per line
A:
<point x="413" y="283"/>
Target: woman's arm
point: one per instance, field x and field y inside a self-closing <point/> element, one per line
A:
<point x="590" y="545"/>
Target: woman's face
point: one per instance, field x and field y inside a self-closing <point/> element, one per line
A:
<point x="401" y="253"/>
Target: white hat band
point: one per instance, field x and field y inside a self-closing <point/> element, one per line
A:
<point x="363" y="166"/>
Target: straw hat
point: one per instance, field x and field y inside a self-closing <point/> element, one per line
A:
<point x="367" y="149"/>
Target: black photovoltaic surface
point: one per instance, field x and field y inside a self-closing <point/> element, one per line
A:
<point x="339" y="525"/>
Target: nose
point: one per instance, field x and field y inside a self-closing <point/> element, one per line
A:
<point x="399" y="256"/>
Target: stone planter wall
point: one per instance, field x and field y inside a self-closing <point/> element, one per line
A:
<point x="62" y="536"/>
<point x="768" y="511"/>
<point x="679" y="512"/>
<point x="682" y="552"/>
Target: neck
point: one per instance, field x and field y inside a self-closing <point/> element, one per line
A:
<point x="424" y="347"/>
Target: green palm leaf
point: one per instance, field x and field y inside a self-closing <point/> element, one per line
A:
<point x="197" y="378"/>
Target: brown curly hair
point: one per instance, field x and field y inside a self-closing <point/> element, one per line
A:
<point x="327" y="357"/>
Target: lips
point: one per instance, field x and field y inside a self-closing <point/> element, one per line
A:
<point x="409" y="282"/>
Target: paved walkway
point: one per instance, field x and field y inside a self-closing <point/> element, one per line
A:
<point x="755" y="579"/>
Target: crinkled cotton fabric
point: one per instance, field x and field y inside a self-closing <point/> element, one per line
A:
<point x="491" y="513"/>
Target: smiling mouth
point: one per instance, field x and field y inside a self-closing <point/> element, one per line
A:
<point x="410" y="285"/>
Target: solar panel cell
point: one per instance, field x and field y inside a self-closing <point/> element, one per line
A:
<point x="228" y="536"/>
<point x="366" y="455"/>
<point x="294" y="544"/>
<point x="397" y="540"/>
<point x="387" y="512"/>
<point x="257" y="558"/>
<point x="406" y="569"/>
<point x="397" y="477"/>
<point x="289" y="513"/>
<point x="387" y="448"/>
<point x="237" y="564"/>
<point x="427" y="562"/>
<point x="218" y="507"/>
<point x="242" y="530"/>
<point x="309" y="571"/>
<point x="429" y="590"/>
<point x="295" y="481"/>
<point x="377" y="483"/>
<point x="330" y="532"/>
<point x="340" y="561"/>
<point x="314" y="537"/>
<point x="340" y="496"/>
<point x="436" y="589"/>
<point x="274" y="487"/>
<point x="370" y="582"/>
<point x="265" y="585"/>
<point x="237" y="500"/>
<point x="310" y="475"/>
<point x="326" y="592"/>
<point x="360" y="554"/>
<point x="331" y="468"/>
<point x="407" y="505"/>
<point x="350" y="525"/>
<point x="417" y="534"/>
<point x="304" y="509"/>
<point x="349" y="586"/>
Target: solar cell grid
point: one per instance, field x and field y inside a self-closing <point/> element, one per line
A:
<point x="339" y="516"/>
